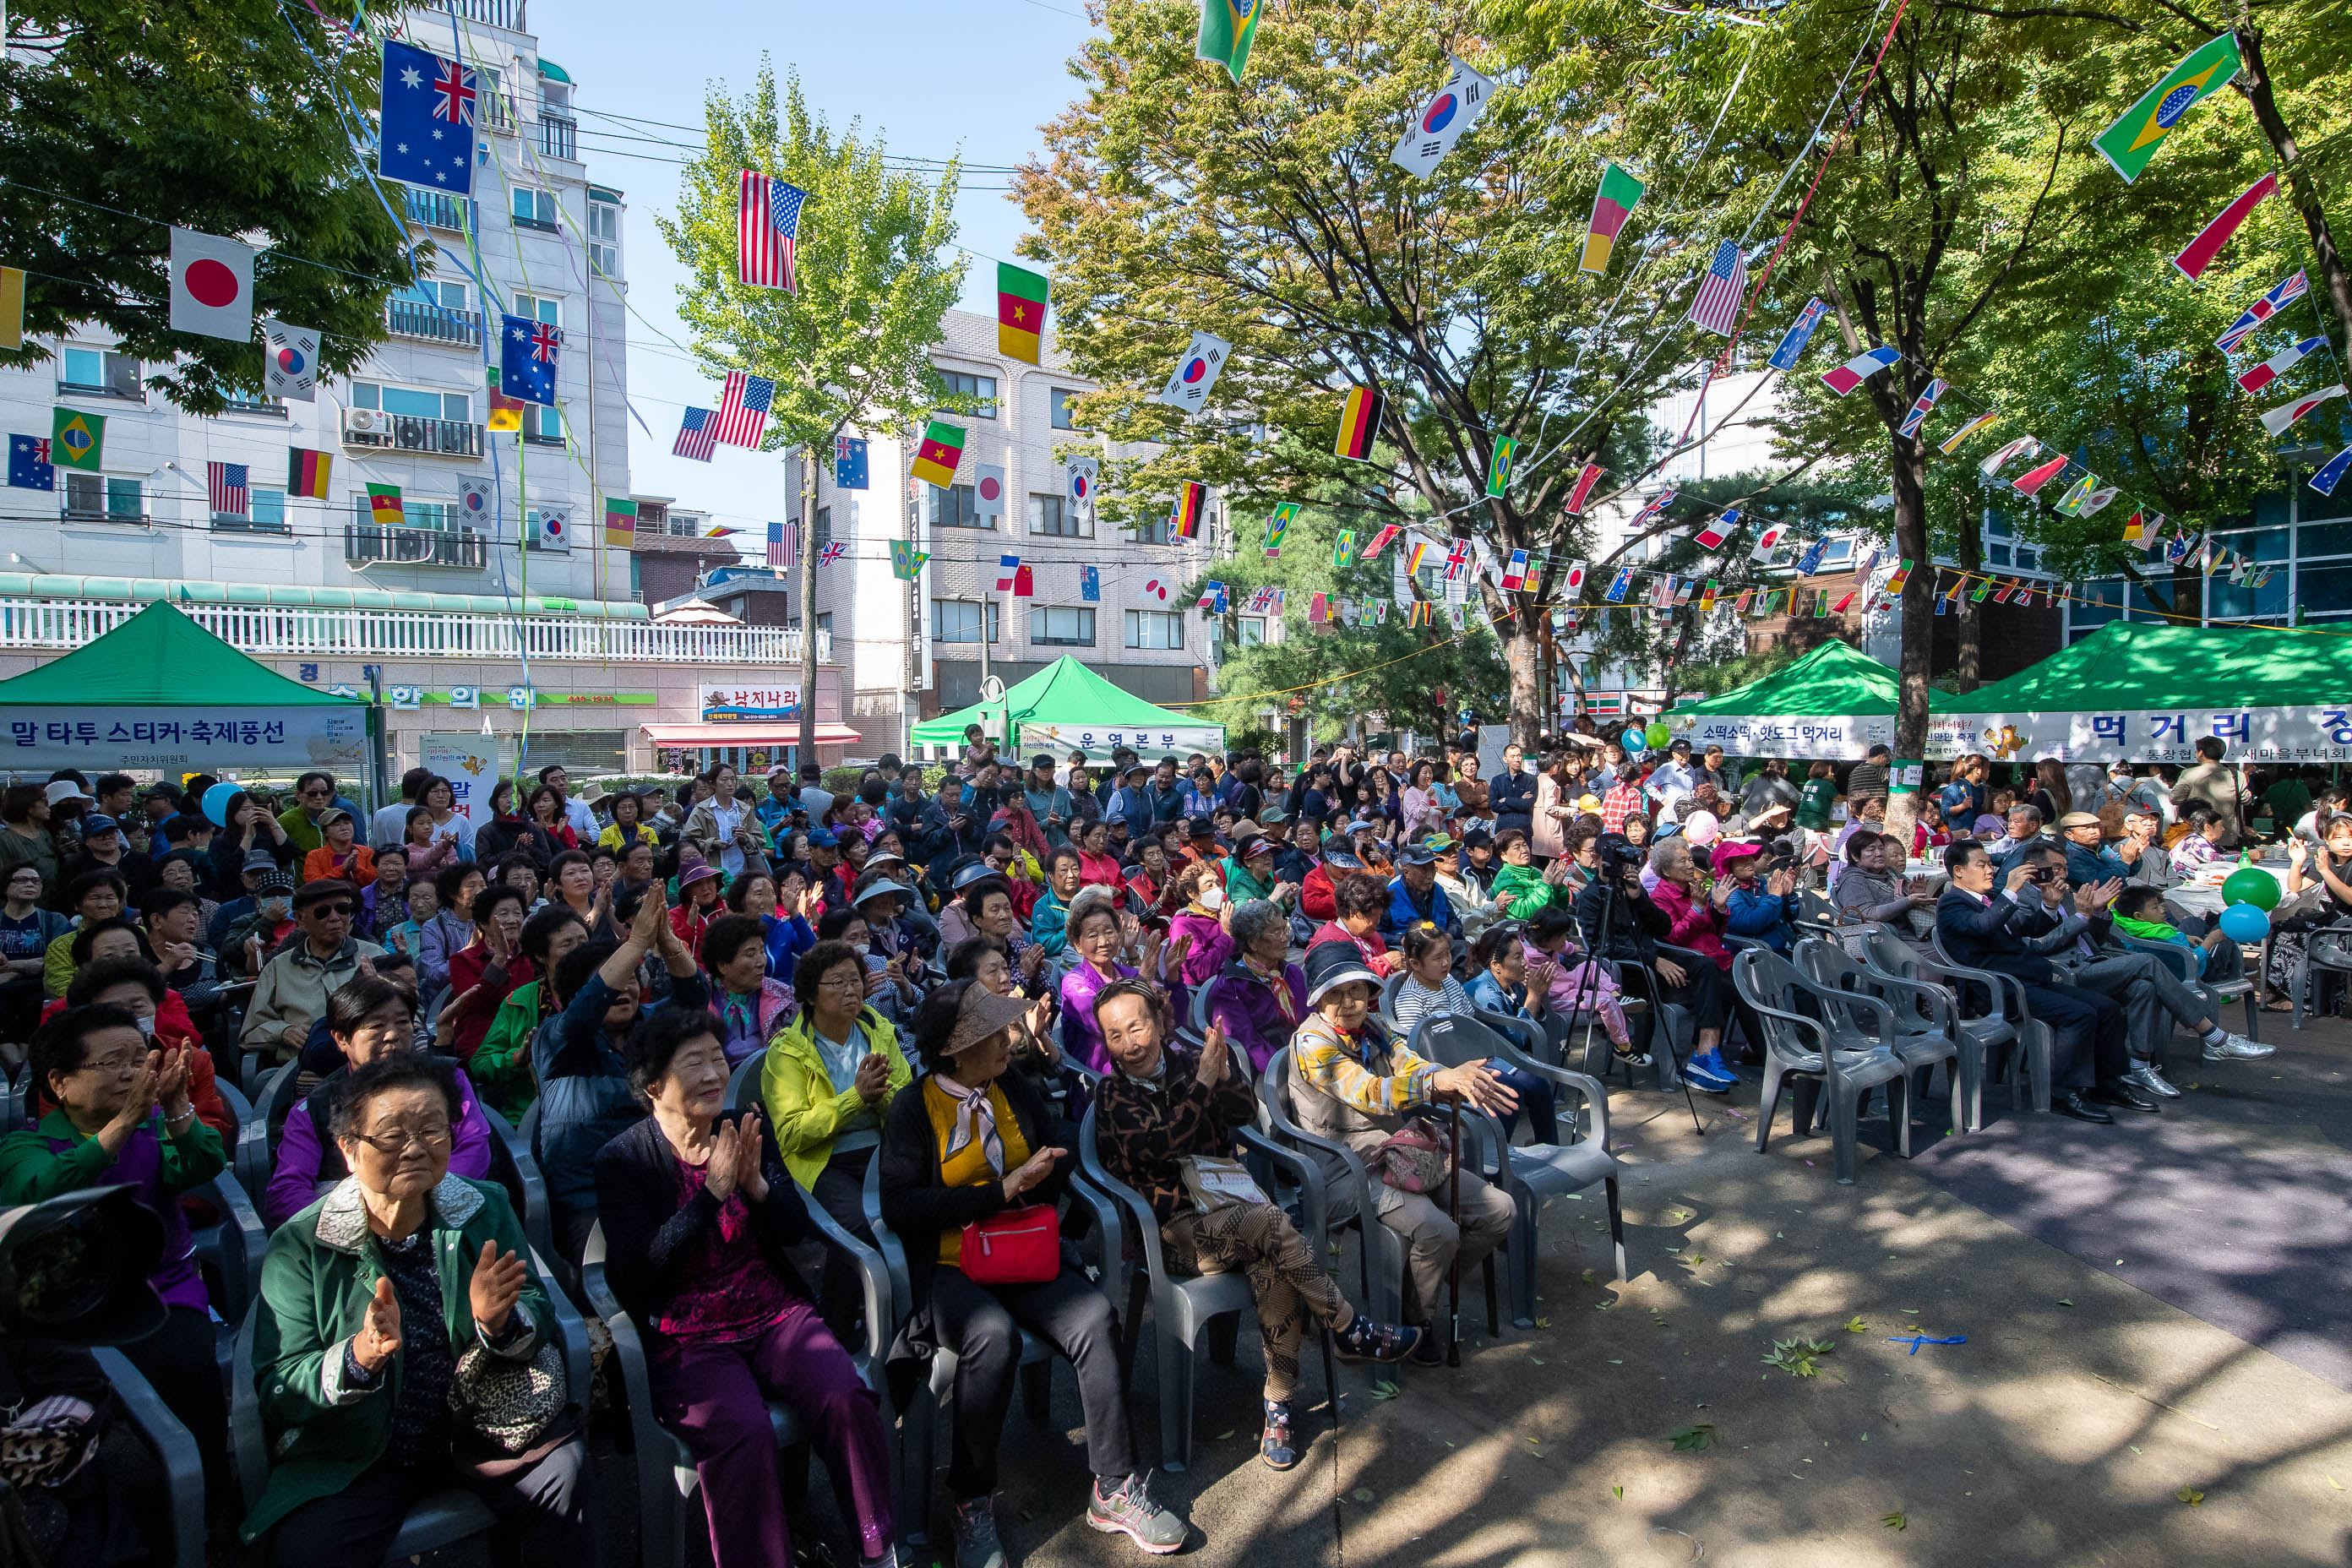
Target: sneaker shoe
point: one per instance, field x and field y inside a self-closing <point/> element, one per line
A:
<point x="2148" y="1081"/>
<point x="976" y="1545"/>
<point x="2237" y="1048"/>
<point x="1706" y="1072"/>
<point x="1129" y="1510"/>
<point x="1365" y="1339"/>
<point x="1274" y="1444"/>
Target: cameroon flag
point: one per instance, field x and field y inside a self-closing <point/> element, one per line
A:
<point x="2133" y="139"/>
<point x="306" y="472"/>
<point x="506" y="413"/>
<point x="1359" y="423"/>
<point x="1020" y="312"/>
<point x="383" y="504"/>
<point x="1613" y="203"/>
<point x="1227" y="30"/>
<point x="620" y="522"/>
<point x="941" y="450"/>
<point x="75" y="439"/>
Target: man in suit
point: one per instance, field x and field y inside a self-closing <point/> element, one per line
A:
<point x="2008" y="932"/>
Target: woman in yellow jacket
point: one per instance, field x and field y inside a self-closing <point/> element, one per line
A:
<point x="826" y="1084"/>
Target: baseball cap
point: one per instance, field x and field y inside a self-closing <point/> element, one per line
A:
<point x="823" y="839"/>
<point x="259" y="860"/>
<point x="97" y="825"/>
<point x="274" y="881"/>
<point x="1417" y="855"/>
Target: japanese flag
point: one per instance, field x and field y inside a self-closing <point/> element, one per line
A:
<point x="211" y="286"/>
<point x="1768" y="542"/>
<point x="988" y="491"/>
<point x="1574" y="583"/>
<point x="1439" y="122"/>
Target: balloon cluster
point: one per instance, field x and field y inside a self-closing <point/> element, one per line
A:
<point x="2249" y="894"/>
<point x="1637" y="740"/>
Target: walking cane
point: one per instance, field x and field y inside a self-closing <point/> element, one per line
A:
<point x="1453" y="1268"/>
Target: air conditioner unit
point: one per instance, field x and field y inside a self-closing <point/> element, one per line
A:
<point x="365" y="421"/>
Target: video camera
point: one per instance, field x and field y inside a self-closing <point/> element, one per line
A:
<point x="75" y="1269"/>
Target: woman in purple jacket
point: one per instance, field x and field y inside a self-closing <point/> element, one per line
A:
<point x="368" y="1018"/>
<point x="1258" y="998"/>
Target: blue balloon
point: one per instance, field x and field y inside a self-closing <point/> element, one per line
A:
<point x="2245" y="923"/>
<point x="1635" y="742"/>
<point x="217" y="801"/>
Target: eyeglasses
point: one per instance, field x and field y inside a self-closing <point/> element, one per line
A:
<point x="398" y="1141"/>
<point x="842" y="982"/>
<point x="115" y="1067"/>
<point x="329" y="912"/>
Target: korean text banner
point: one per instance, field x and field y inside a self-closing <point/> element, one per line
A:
<point x="178" y="738"/>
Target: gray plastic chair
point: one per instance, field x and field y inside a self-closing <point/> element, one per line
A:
<point x="2327" y="950"/>
<point x="1340" y="1194"/>
<point x="518" y="1167"/>
<point x="666" y="1477"/>
<point x="183" y="1465"/>
<point x="2026" y="1064"/>
<point x="1532" y="1173"/>
<point x="2175" y="958"/>
<point x="257" y="1139"/>
<point x="1926" y="1030"/>
<point x="1826" y="1064"/>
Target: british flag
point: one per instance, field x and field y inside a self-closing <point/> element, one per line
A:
<point x="743" y="409"/>
<point x="226" y="484"/>
<point x="453" y="94"/>
<point x="767" y="230"/>
<point x="696" y="436"/>
<point x="831" y="553"/>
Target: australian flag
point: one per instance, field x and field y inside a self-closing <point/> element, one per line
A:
<point x="428" y="119"/>
<point x="527" y="351"/>
<point x="1810" y="562"/>
<point x="848" y="463"/>
<point x="28" y="464"/>
<point x="1089" y="585"/>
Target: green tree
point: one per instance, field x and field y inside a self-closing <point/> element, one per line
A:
<point x="850" y="349"/>
<point x="1269" y="212"/>
<point x="125" y="116"/>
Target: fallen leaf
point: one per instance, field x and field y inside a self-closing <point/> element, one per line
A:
<point x="1543" y="1322"/>
<point x="1614" y="1361"/>
<point x="2064" y="1303"/>
<point x="1385" y="1390"/>
<point x="1537" y="1360"/>
<point x="1362" y="1494"/>
<point x="1895" y="1522"/>
<point x="2331" y="1480"/>
<point x="1855" y="1325"/>
<point x="2190" y="1495"/>
<point x="1693" y="1439"/>
<point x="1588" y="1277"/>
<point x="2133" y="1447"/>
<point x="1618" y="1492"/>
<point x="1222" y="1436"/>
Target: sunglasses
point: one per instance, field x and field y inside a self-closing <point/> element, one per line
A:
<point x="328" y="911"/>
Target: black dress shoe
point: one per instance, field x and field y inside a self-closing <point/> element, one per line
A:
<point x="2130" y="1097"/>
<point x="2074" y="1103"/>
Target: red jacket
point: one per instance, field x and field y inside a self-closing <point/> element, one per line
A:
<point x="173" y="1027"/>
<point x="1314" y="895"/>
<point x="467" y="967"/>
<point x="1375" y="951"/>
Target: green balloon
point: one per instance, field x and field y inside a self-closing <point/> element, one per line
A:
<point x="2251" y="885"/>
<point x="1657" y="735"/>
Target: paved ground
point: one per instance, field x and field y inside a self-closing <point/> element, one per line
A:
<point x="2150" y="1308"/>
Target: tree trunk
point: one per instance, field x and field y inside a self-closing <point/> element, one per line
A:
<point x="1907" y="467"/>
<point x="1520" y="657"/>
<point x="808" y="605"/>
<point x="1970" y="552"/>
<point x="2254" y="82"/>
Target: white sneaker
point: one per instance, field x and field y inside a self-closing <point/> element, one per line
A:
<point x="2237" y="1047"/>
<point x="2147" y="1077"/>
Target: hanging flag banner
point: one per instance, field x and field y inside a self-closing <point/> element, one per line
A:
<point x="1844" y="600"/>
<point x="306" y="472"/>
<point x="1008" y="572"/>
<point x="1952" y="441"/>
<point x="1514" y="576"/>
<point x="426" y="120"/>
<point x="12" y="307"/>
<point x="1343" y="548"/>
<point x="2277" y="420"/>
<point x="1920" y="409"/>
<point x="1613" y="203"/>
<point x="1020" y="311"/>
<point x="1583" y="490"/>
<point x="988" y="491"/>
<point x="1078" y="477"/>
<point x="907" y="561"/>
<point x="1768" y="542"/>
<point x="1859" y="368"/>
<point x="2099" y="499"/>
<point x="1184" y="512"/>
<point x="1090" y="585"/>
<point x="1658" y="503"/>
<point x="2262" y="310"/>
<point x="1811" y="561"/>
<point x="1707" y="597"/>
<point x="1442" y="121"/>
<point x="2201" y="252"/>
<point x="475" y="503"/>
<point x="211" y="286"/>
<point x="2023" y="447"/>
<point x="1319" y="610"/>
<point x="1498" y="467"/>
<point x="1714" y="531"/>
<point x="935" y="459"/>
<point x="1415" y="553"/>
<point x="2133" y="139"/>
<point x="1983" y="587"/>
<point x="1895" y="580"/>
<point x="2031" y="481"/>
<point x="384" y="505"/>
<point x="850" y="464"/>
<point x="1716" y="308"/>
<point x="1800" y="333"/>
<point x="768" y="231"/>
<point x="1572" y="585"/>
<point x="1195" y="373"/>
<point x="1228" y="27"/>
<point x="506" y="413"/>
<point x="1359" y="423"/>
<point x="2279" y="364"/>
<point x="1279" y="524"/>
<point x="29" y="467"/>
<point x="289" y="363"/>
<point x="2070" y="503"/>
<point x="1380" y="540"/>
<point x="528" y="350"/>
<point x="620" y="522"/>
<point x="1458" y="560"/>
<point x="1155" y="590"/>
<point x="2327" y="477"/>
<point x="1619" y="583"/>
<point x="76" y="441"/>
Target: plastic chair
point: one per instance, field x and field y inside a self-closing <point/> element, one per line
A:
<point x="1337" y="1194"/>
<point x="1843" y="1068"/>
<point x="514" y="1165"/>
<point x="1182" y="1307"/>
<point x="1926" y="1031"/>
<point x="175" y="1449"/>
<point x="2028" y="1066"/>
<point x="257" y="1139"/>
<point x="2327" y="950"/>
<point x="1532" y="1173"/>
<point x="2176" y="958"/>
<point x="662" y="1497"/>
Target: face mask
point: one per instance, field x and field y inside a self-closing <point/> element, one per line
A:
<point x="1212" y="899"/>
<point x="146" y="1026"/>
<point x="861" y="948"/>
<point x="276" y="907"/>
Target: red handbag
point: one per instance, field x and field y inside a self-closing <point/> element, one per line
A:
<point x="1019" y="1246"/>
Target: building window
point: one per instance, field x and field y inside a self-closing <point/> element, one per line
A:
<point x="1250" y="632"/>
<point x="535" y="209"/>
<point x="954" y="507"/>
<point x="268" y="512"/>
<point x="1152" y="531"/>
<point x="1054" y="515"/>
<point x="824" y="627"/>
<point x="97" y="496"/>
<point x="101" y="373"/>
<point x="433" y="292"/>
<point x="1155" y="629"/>
<point x="981" y="389"/>
<point x="413" y="402"/>
<point x="1061" y="625"/>
<point x="1059" y="400"/>
<point x="539" y="307"/>
<point x="543" y="425"/>
<point x="824" y="526"/>
<point x="434" y="515"/>
<point x="604" y="237"/>
<point x="958" y="621"/>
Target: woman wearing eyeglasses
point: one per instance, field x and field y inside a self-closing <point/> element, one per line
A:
<point x="368" y="1018"/>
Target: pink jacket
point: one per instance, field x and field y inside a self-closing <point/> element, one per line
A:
<point x="1699" y="925"/>
<point x="1205" y="959"/>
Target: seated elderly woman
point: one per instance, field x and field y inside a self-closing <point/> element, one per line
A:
<point x="1035" y="1051"/>
<point x="1105" y="946"/>
<point x="1869" y="891"/>
<point x="1429" y="986"/>
<point x="368" y="1016"/>
<point x="402" y="1347"/>
<point x="985" y="906"/>
<point x="1696" y="917"/>
<point x="123" y="1116"/>
<point x="1260" y="996"/>
<point x="698" y="1211"/>
<point x="1352" y="1083"/>
<point x="962" y="1146"/>
<point x="749" y="1003"/>
<point x="1162" y="1108"/>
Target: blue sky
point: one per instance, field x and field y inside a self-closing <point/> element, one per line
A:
<point x="930" y="79"/>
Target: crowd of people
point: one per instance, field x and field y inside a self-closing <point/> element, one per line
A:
<point x="939" y="971"/>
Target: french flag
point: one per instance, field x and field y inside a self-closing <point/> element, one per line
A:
<point x="1859" y="368"/>
<point x="1712" y="535"/>
<point x="2279" y="364"/>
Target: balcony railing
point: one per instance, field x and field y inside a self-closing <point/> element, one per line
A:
<point x="495" y="111"/>
<point x="407" y="432"/>
<point x="259" y="407"/>
<point x="70" y="513"/>
<point x="436" y="209"/>
<point x="559" y="137"/>
<point x="462" y="548"/>
<point x="434" y="323"/>
<point x="507" y="14"/>
<point x="291" y="632"/>
<point x="239" y="523"/>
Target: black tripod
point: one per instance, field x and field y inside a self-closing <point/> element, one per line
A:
<point x="1659" y="1033"/>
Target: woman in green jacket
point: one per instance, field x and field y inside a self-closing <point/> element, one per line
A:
<point x="1521" y="890"/>
<point x="402" y="1347"/>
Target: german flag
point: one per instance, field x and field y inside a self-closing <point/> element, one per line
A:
<point x="1185" y="516"/>
<point x="1020" y="312"/>
<point x="1359" y="423"/>
<point x="306" y="472"/>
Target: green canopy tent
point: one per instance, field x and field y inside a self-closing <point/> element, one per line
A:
<point x="1831" y="705"/>
<point x="1065" y="707"/>
<point x="161" y="693"/>
<point x="2133" y="691"/>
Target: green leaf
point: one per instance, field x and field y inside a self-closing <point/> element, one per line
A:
<point x="2064" y="1303"/>
<point x="2331" y="1480"/>
<point x="1384" y="1389"/>
<point x="2190" y="1496"/>
<point x="1362" y="1494"/>
<point x="1855" y="1325"/>
<point x="1693" y="1439"/>
<point x="1223" y="1435"/>
<point x="1895" y="1521"/>
<point x="1617" y="1492"/>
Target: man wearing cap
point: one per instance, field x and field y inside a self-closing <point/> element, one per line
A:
<point x="1049" y="801"/>
<point x="944" y="829"/>
<point x="258" y="863"/>
<point x="1672" y="779"/>
<point x="2141" y="847"/>
<point x="293" y="987"/>
<point x="101" y="849"/>
<point x="1129" y="801"/>
<point x="1414" y="895"/>
<point x="1199" y="840"/>
<point x="775" y="809"/>
<point x="1351" y="1082"/>
<point x="2088" y="859"/>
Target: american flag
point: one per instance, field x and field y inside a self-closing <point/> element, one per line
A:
<point x="831" y="553"/>
<point x="696" y="436"/>
<point x="226" y="483"/>
<point x="775" y="544"/>
<point x="743" y="409"/>
<point x="767" y="226"/>
<point x="1717" y="306"/>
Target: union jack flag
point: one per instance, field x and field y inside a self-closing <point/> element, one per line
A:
<point x="226" y="483"/>
<point x="767" y="228"/>
<point x="696" y="436"/>
<point x="831" y="553"/>
<point x="453" y="94"/>
<point x="544" y="339"/>
<point x="743" y="409"/>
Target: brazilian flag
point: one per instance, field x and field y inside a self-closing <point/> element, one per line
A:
<point x="1227" y="30"/>
<point x="77" y="439"/>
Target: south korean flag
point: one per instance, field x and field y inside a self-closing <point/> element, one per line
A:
<point x="1079" y="476"/>
<point x="1439" y="122"/>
